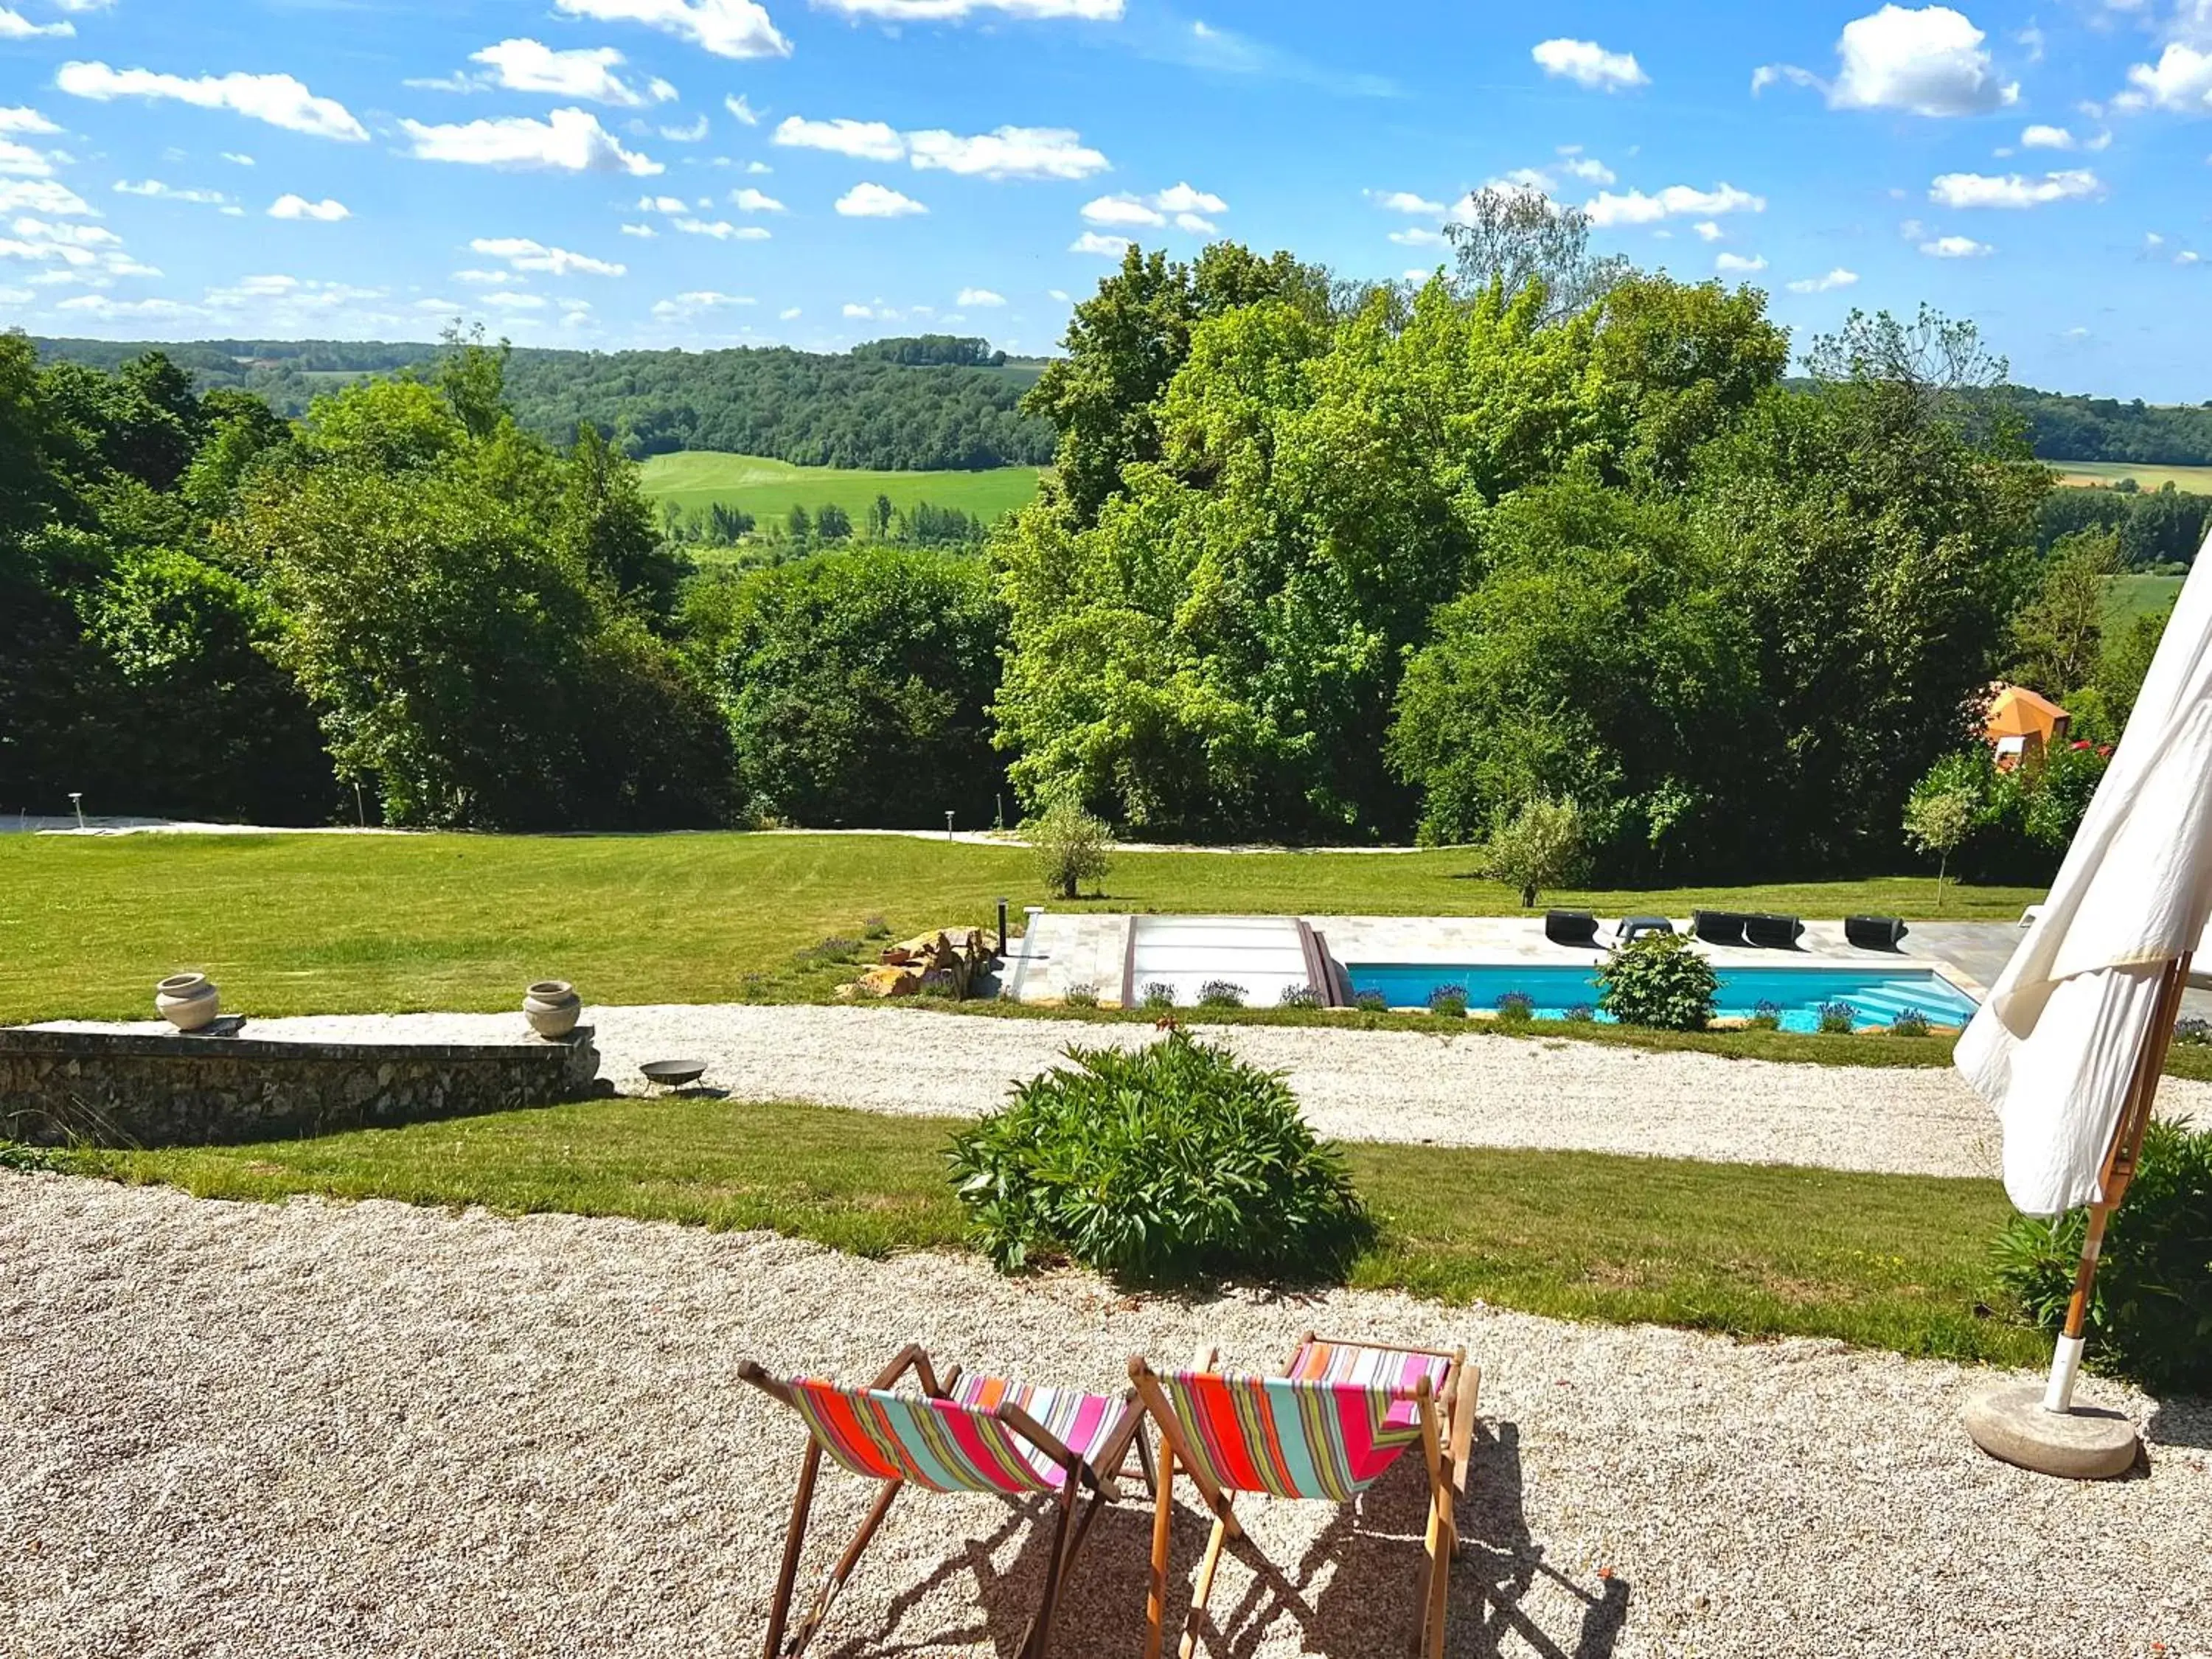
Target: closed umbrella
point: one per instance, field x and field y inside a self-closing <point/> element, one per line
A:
<point x="2070" y="1043"/>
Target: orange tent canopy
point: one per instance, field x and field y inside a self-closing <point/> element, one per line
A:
<point x="2017" y="712"/>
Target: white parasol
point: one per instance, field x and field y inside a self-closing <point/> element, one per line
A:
<point x="2070" y="1044"/>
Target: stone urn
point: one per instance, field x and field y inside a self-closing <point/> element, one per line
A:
<point x="188" y="1001"/>
<point x="551" y="1007"/>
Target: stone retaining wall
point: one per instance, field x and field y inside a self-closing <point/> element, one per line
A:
<point x="141" y="1089"/>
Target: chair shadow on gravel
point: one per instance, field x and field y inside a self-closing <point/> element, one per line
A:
<point x="1369" y="1561"/>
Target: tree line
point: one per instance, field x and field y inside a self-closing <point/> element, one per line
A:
<point x="2063" y="427"/>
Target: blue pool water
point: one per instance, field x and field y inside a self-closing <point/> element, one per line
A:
<point x="1876" y="996"/>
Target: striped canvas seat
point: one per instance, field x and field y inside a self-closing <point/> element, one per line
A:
<point x="1318" y="1436"/>
<point x="953" y="1444"/>
<point x="1398" y="1371"/>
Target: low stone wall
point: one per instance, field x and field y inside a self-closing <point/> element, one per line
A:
<point x="146" y="1089"/>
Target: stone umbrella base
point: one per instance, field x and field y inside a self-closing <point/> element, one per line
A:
<point x="2086" y="1443"/>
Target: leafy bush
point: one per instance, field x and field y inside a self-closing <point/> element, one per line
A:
<point x="1540" y="846"/>
<point x="1081" y="996"/>
<point x="1838" y="1019"/>
<point x="1517" y="1007"/>
<point x="1659" y="980"/>
<point x="1176" y="1162"/>
<point x="1298" y="996"/>
<point x="1766" y="1016"/>
<point x="2150" y="1314"/>
<point x="1220" y="994"/>
<point x="1910" y="1022"/>
<point x="1070" y="847"/>
<point x="2193" y="1031"/>
<point x="875" y="927"/>
<point x="1449" y="1001"/>
<point x="1580" y="1013"/>
<point x="57" y="1160"/>
<point x="1157" y="994"/>
<point x="1371" y="1002"/>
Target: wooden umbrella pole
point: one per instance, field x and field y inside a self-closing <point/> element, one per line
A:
<point x="2119" y="1170"/>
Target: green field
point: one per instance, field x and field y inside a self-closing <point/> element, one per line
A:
<point x="2195" y="478"/>
<point x="697" y="479"/>
<point x="359" y="924"/>
<point x="2127" y="597"/>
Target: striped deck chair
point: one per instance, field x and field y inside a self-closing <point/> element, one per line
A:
<point x="959" y="1433"/>
<point x="1326" y="1430"/>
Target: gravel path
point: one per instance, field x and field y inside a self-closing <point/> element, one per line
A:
<point x="249" y="1431"/>
<point x="1473" y="1090"/>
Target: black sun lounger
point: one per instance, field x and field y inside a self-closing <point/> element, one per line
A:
<point x="1718" y="926"/>
<point x="1773" y="932"/>
<point x="1571" y="927"/>
<point x="1874" y="932"/>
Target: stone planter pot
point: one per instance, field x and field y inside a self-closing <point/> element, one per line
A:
<point x="188" y="1001"/>
<point x="551" y="1007"/>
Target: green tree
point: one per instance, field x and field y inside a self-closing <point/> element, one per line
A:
<point x="1520" y="241"/>
<point x="1939" y="813"/>
<point x="832" y="523"/>
<point x="1070" y="847"/>
<point x="1540" y="846"/>
<point x="2058" y="635"/>
<point x="799" y="525"/>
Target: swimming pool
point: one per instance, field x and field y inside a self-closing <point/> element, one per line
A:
<point x="1877" y="995"/>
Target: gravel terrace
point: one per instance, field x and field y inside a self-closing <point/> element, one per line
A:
<point x="247" y="1429"/>
<point x="1471" y="1089"/>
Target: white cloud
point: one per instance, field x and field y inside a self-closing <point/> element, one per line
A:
<point x="20" y="119"/>
<point x="1111" y="247"/>
<point x="1929" y="62"/>
<point x="686" y="135"/>
<point x="2187" y="257"/>
<point x="1736" y="264"/>
<point x="663" y="204"/>
<point x="749" y="200"/>
<point x="1635" y="208"/>
<point x="236" y="159"/>
<point x="728" y="29"/>
<point x="1588" y="169"/>
<point x="1836" y="278"/>
<point x="645" y="231"/>
<point x="1121" y="210"/>
<point x="328" y="211"/>
<point x="1708" y="231"/>
<point x="980" y="296"/>
<point x="485" y="278"/>
<point x="1417" y="236"/>
<point x="1976" y="189"/>
<point x="722" y="230"/>
<point x="2039" y="137"/>
<point x="759" y="168"/>
<point x="100" y="306"/>
<point x="1182" y="199"/>
<point x="1008" y="153"/>
<point x="2181" y="81"/>
<point x="14" y="26"/>
<point x="43" y="195"/>
<point x="21" y="161"/>
<point x="1588" y="64"/>
<point x="1955" y="248"/>
<point x="506" y="301"/>
<point x="1404" y="201"/>
<point x="160" y="191"/>
<point x="523" y="254"/>
<point x="735" y="103"/>
<point x="867" y="201"/>
<point x="866" y="140"/>
<point x="788" y="313"/>
<point x="279" y="100"/>
<point x="1768" y="74"/>
<point x="1060" y="295"/>
<point x="568" y="140"/>
<point x="702" y="299"/>
<point x="935" y="11"/>
<point x="852" y="310"/>
<point x="526" y="66"/>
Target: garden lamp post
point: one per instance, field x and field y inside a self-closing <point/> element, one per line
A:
<point x="77" y="803"/>
<point x="2070" y="1043"/>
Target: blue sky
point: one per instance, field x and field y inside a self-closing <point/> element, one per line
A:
<point x="701" y="172"/>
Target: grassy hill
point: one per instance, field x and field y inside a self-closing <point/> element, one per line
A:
<point x="2127" y="597"/>
<point x="767" y="489"/>
<point x="2198" y="479"/>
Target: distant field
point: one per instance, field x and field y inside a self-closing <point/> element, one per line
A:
<point x="2195" y="478"/>
<point x="2129" y="597"/>
<point x="769" y="488"/>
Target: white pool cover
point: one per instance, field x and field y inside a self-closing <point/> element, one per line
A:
<point x="1262" y="956"/>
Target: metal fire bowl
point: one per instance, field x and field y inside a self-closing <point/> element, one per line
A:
<point x="673" y="1073"/>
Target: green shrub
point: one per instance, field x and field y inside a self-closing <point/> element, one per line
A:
<point x="1371" y="1002"/>
<point x="1838" y="1019"/>
<point x="1081" y="996"/>
<point x="1176" y="1162"/>
<point x="1157" y="994"/>
<point x="1449" y="1001"/>
<point x="2150" y="1314"/>
<point x="1298" y="996"/>
<point x="1220" y="994"/>
<point x="1658" y="981"/>
<point x="1580" y="1013"/>
<point x="1517" y="1008"/>
<point x="1910" y="1022"/>
<point x="1766" y="1016"/>
<point x="1070" y="848"/>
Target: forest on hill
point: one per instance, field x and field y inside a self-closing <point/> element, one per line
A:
<point x="925" y="403"/>
<point x="914" y="403"/>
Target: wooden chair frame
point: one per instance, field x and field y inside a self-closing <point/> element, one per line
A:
<point x="1072" y="1524"/>
<point x="1444" y="1449"/>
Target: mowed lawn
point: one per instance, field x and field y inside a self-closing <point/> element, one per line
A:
<point x="1886" y="1261"/>
<point x="697" y="479"/>
<point x="2127" y="597"/>
<point x="2198" y="479"/>
<point x="346" y="924"/>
